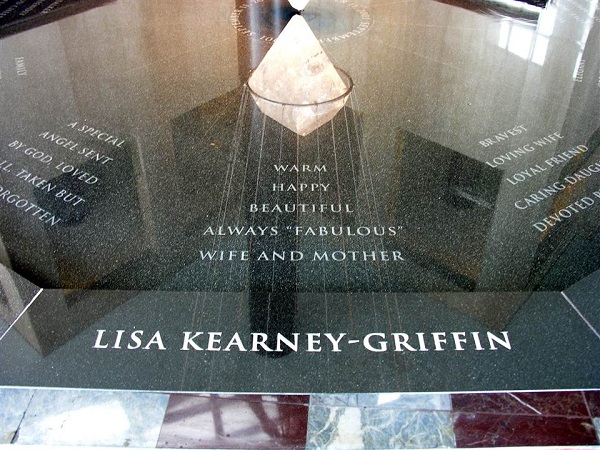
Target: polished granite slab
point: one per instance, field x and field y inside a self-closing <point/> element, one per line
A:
<point x="162" y="229"/>
<point x="205" y="343"/>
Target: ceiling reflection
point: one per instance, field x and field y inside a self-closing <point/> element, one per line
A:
<point x="518" y="9"/>
<point x="526" y="40"/>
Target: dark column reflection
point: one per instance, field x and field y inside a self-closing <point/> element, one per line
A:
<point x="272" y="273"/>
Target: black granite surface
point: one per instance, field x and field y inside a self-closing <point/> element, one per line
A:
<point x="142" y="189"/>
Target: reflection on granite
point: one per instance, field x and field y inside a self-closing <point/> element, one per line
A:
<point x="435" y="81"/>
<point x="17" y="16"/>
<point x="16" y="293"/>
<point x="435" y="168"/>
<point x="4" y="327"/>
<point x="13" y="403"/>
<point x="597" y="426"/>
<point x="378" y="427"/>
<point x="83" y="418"/>
<point x="433" y="93"/>
<point x="505" y="9"/>
<point x="235" y="421"/>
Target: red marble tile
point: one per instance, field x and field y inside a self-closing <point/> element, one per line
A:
<point x="235" y="421"/>
<point x="503" y="430"/>
<point x="287" y="399"/>
<point x="565" y="404"/>
<point x="593" y="401"/>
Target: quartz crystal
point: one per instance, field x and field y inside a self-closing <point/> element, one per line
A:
<point x="299" y="4"/>
<point x="296" y="84"/>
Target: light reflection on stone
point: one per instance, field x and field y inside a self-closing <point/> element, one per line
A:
<point x="296" y="84"/>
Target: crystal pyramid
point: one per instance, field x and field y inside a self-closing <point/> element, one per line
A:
<point x="296" y="84"/>
<point x="298" y="5"/>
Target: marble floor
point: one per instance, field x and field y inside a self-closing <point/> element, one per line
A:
<point x="108" y="419"/>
